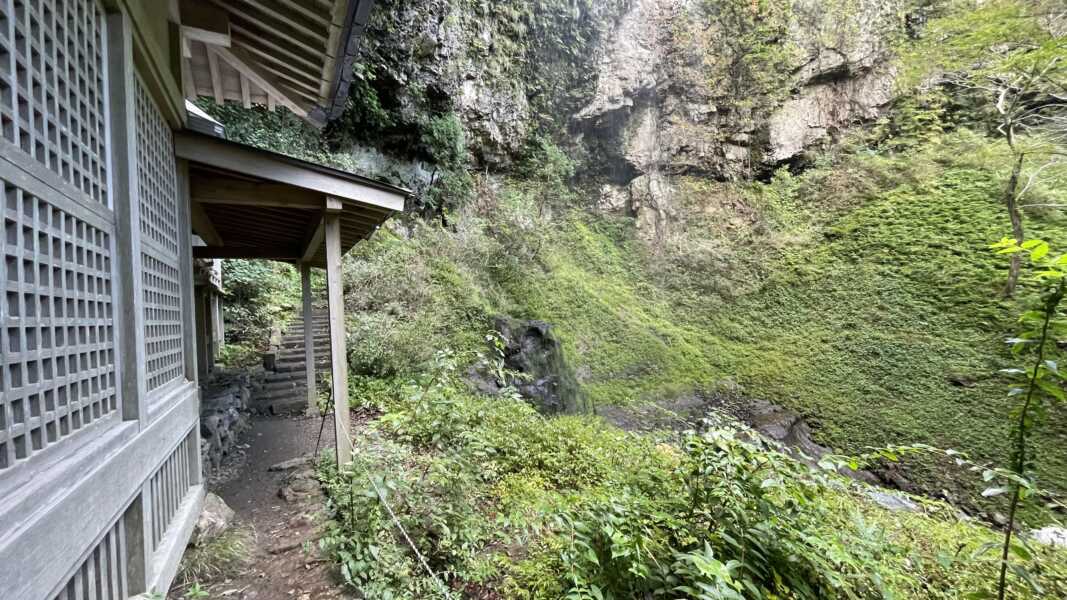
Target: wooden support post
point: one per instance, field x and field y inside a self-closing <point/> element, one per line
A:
<point x="185" y="263"/>
<point x="309" y="340"/>
<point x="129" y="344"/>
<point x="339" y="357"/>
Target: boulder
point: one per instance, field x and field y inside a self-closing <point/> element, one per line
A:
<point x="298" y="485"/>
<point x="546" y="379"/>
<point x="215" y="519"/>
<point x="1051" y="536"/>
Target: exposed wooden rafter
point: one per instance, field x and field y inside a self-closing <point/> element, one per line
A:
<point x="203" y="227"/>
<point x="293" y="53"/>
<point x="216" y="79"/>
<point x="239" y="59"/>
<point x="205" y="23"/>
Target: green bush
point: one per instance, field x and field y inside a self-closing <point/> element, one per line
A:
<point x="259" y="295"/>
<point x="498" y="499"/>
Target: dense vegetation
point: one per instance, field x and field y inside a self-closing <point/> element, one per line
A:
<point x="858" y="289"/>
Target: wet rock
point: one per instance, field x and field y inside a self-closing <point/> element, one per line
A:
<point x="892" y="502"/>
<point x="654" y="115"/>
<point x="966" y="381"/>
<point x="1051" y="536"/>
<point x="300" y="484"/>
<point x="223" y="413"/>
<point x="215" y="519"/>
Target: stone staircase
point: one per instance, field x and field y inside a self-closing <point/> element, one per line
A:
<point x="284" y="390"/>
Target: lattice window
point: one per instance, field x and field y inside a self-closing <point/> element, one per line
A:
<point x="168" y="487"/>
<point x="157" y="185"/>
<point x="57" y="373"/>
<point x="156" y="176"/>
<point x="102" y="575"/>
<point x="52" y="89"/>
<point x="163" y="321"/>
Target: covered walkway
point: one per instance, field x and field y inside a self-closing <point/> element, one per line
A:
<point x="255" y="204"/>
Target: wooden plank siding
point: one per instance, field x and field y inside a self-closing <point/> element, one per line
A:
<point x="99" y="442"/>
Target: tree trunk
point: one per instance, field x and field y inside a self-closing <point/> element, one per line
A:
<point x="1016" y="226"/>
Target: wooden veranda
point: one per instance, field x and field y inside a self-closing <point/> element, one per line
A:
<point x="251" y="203"/>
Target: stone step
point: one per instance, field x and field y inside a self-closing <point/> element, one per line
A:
<point x="298" y="354"/>
<point x="280" y="385"/>
<point x="317" y="343"/>
<point x="284" y="376"/>
<point x="292" y="355"/>
<point x="299" y="332"/>
<point x="315" y="318"/>
<point x="299" y="335"/>
<point x="291" y="406"/>
<point x="299" y="393"/>
<point x="299" y="367"/>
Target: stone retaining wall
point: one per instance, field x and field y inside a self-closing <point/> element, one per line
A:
<point x="224" y="412"/>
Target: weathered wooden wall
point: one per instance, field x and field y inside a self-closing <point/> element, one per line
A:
<point x="99" y="445"/>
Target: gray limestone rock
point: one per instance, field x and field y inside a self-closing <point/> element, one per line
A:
<point x="216" y="518"/>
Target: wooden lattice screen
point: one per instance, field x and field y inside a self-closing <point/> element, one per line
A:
<point x="58" y="366"/>
<point x="157" y="186"/>
<point x="99" y="443"/>
<point x="102" y="575"/>
<point x="52" y="102"/>
<point x="169" y="486"/>
<point x="58" y="325"/>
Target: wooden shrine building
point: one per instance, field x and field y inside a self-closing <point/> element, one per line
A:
<point x="105" y="181"/>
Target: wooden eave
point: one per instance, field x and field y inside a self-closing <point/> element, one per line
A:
<point x="252" y="203"/>
<point x="293" y="53"/>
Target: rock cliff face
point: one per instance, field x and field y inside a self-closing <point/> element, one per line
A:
<point x="498" y="66"/>
<point x="670" y="101"/>
<point x="650" y="89"/>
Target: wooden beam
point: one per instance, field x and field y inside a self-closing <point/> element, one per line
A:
<point x="244" y="63"/>
<point x="205" y="23"/>
<point x="282" y="27"/>
<point x="247" y="37"/>
<point x="338" y="352"/>
<point x="337" y="19"/>
<point x="246" y="97"/>
<point x="309" y="340"/>
<point x="216" y="79"/>
<point x="310" y="14"/>
<point x="266" y="253"/>
<point x="187" y="72"/>
<point x="298" y="83"/>
<point x="203" y="227"/>
<point x="210" y="190"/>
<point x="256" y="163"/>
<point x="314" y="241"/>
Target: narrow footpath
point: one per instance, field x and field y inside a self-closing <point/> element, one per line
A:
<point x="277" y="501"/>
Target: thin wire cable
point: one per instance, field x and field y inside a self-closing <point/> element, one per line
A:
<point x="407" y="538"/>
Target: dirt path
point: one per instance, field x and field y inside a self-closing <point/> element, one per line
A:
<point x="280" y="510"/>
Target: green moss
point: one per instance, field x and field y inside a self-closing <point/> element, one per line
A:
<point x="861" y="294"/>
<point x="504" y="502"/>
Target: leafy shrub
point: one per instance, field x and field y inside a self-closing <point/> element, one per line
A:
<point x="498" y="499"/>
